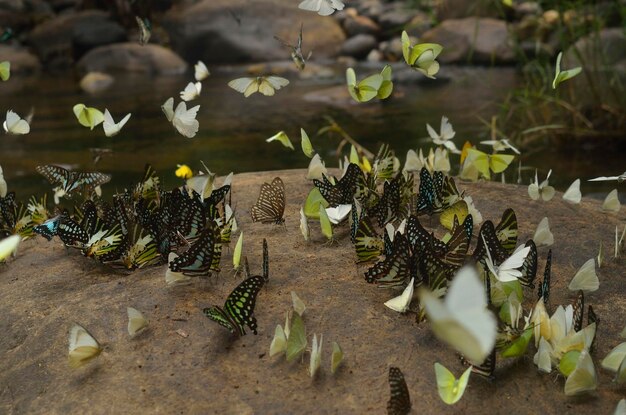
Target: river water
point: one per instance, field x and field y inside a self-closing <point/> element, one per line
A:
<point x="233" y="129"/>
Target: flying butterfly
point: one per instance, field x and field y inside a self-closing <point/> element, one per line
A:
<point x="15" y="125"/>
<point x="145" y="30"/>
<point x="296" y="51"/>
<point x="399" y="400"/>
<point x="266" y="85"/>
<point x="239" y="307"/>
<point x="183" y="119"/>
<point x="270" y="206"/>
<point x="322" y="7"/>
<point x="70" y="181"/>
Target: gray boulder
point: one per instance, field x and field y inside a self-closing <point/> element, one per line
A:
<point x="479" y="40"/>
<point x="357" y="25"/>
<point x="132" y="57"/>
<point x="359" y="46"/>
<point x="242" y="31"/>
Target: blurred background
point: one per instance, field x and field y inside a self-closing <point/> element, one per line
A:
<point x="495" y="80"/>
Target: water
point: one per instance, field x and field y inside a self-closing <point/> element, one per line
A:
<point x="233" y="129"/>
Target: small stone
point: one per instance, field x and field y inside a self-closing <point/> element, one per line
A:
<point x="374" y="56"/>
<point x="95" y="82"/>
<point x="356" y="25"/>
<point x="358" y="46"/>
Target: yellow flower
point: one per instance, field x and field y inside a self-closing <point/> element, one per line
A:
<point x="183" y="171"/>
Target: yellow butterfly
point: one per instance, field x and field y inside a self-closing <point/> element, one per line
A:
<point x="364" y="90"/>
<point x="450" y="388"/>
<point x="266" y="85"/>
<point x="487" y="163"/>
<point x="336" y="357"/>
<point x="83" y="346"/>
<point x="136" y="321"/>
<point x="88" y="116"/>
<point x="421" y="57"/>
<point x="586" y="278"/>
<point x="5" y="70"/>
<point x="8" y="246"/>
<point x="562" y="76"/>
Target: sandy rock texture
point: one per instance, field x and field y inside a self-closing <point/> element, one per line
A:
<point x="185" y="363"/>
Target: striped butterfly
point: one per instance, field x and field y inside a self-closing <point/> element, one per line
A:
<point x="202" y="257"/>
<point x="343" y="191"/>
<point x="70" y="181"/>
<point x="270" y="206"/>
<point x="239" y="307"/>
<point x="399" y="400"/>
<point x="544" y="288"/>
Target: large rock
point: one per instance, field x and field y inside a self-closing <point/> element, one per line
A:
<point x="60" y="41"/>
<point x="186" y="364"/>
<point x="132" y="57"/>
<point x="479" y="40"/>
<point x="457" y="9"/>
<point x="220" y="31"/>
<point x="359" y="46"/>
<point x="396" y="19"/>
<point x="22" y="61"/>
<point x="357" y="25"/>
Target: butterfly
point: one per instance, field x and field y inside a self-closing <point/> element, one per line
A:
<point x="421" y="57"/>
<point x="562" y="76"/>
<point x="183" y="119"/>
<point x="112" y="128"/>
<point x="509" y="269"/>
<point x="445" y="135"/>
<point x="364" y="90"/>
<point x="336" y="357"/>
<point x="191" y="91"/>
<point x="488" y="240"/>
<point x="322" y="7"/>
<point x="487" y="163"/>
<point x="401" y="302"/>
<point x="399" y="400"/>
<point x="500" y="145"/>
<point x="428" y="200"/>
<point x="296" y="338"/>
<point x="136" y="321"/>
<point x="82" y="346"/>
<point x="71" y="233"/>
<point x="281" y="137"/>
<point x="49" y="228"/>
<point x="188" y="213"/>
<point x="611" y="202"/>
<point x="386" y="87"/>
<point x="202" y="257"/>
<point x="343" y="191"/>
<point x="141" y="249"/>
<point x="462" y="320"/>
<point x="15" y="125"/>
<point x="543" y="236"/>
<point x="8" y="246"/>
<point x="529" y="267"/>
<point x="396" y="268"/>
<point x="486" y="368"/>
<point x="239" y="307"/>
<point x="450" y="388"/>
<point x="266" y="85"/>
<point x="583" y="378"/>
<point x="88" y="116"/>
<point x="316" y="356"/>
<point x="200" y="71"/>
<point x="621" y="178"/>
<point x="145" y="30"/>
<point x="70" y="181"/>
<point x="305" y="143"/>
<point x="5" y="70"/>
<point x="572" y="194"/>
<point x="544" y="288"/>
<point x="541" y="190"/>
<point x="368" y="244"/>
<point x="388" y="206"/>
<point x="296" y="51"/>
<point x="270" y="206"/>
<point x="586" y="278"/>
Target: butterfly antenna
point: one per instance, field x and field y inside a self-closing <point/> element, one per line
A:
<point x="266" y="261"/>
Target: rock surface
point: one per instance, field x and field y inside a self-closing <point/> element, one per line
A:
<point x="185" y="363"/>
<point x="478" y="40"/>
<point x="231" y="31"/>
<point x="132" y="57"/>
<point x="22" y="61"/>
<point x="359" y="46"/>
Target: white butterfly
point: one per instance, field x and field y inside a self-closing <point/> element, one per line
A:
<point x="298" y="305"/>
<point x="572" y="194"/>
<point x="136" y="321"/>
<point x="339" y="213"/>
<point x="586" y="278"/>
<point x="82" y="346"/>
<point x="316" y="356"/>
<point x="191" y="91"/>
<point x="183" y="119"/>
<point x="543" y="236"/>
<point x="446" y="133"/>
<point x="200" y="71"/>
<point x="15" y="125"/>
<point x="612" y="203"/>
<point x="615" y="362"/>
<point x="413" y="161"/>
<point x="112" y="128"/>
<point x="621" y="178"/>
<point x="500" y="145"/>
<point x="266" y="85"/>
<point x="543" y="357"/>
<point x="175" y="278"/>
<point x="322" y="7"/>
<point x="543" y="190"/>
<point x="462" y="320"/>
<point x="3" y="184"/>
<point x="509" y="269"/>
<point x="619" y="242"/>
<point x="620" y="409"/>
<point x="401" y="302"/>
<point x="9" y="246"/>
<point x="304" y="225"/>
<point x="316" y="168"/>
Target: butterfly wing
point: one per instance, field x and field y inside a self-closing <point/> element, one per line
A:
<point x="270" y="205"/>
<point x="399" y="400"/>
<point x="242" y="84"/>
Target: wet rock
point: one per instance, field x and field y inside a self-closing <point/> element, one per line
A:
<point x="230" y="31"/>
<point x="359" y="46"/>
<point x="132" y="57"/>
<point x="481" y="40"/>
<point x="396" y="18"/>
<point x="53" y="40"/>
<point x="457" y="9"/>
<point x="419" y="24"/>
<point x="392" y="49"/>
<point x="95" y="82"/>
<point x="370" y="8"/>
<point x="97" y="31"/>
<point x="356" y="25"/>
<point x="22" y="61"/>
